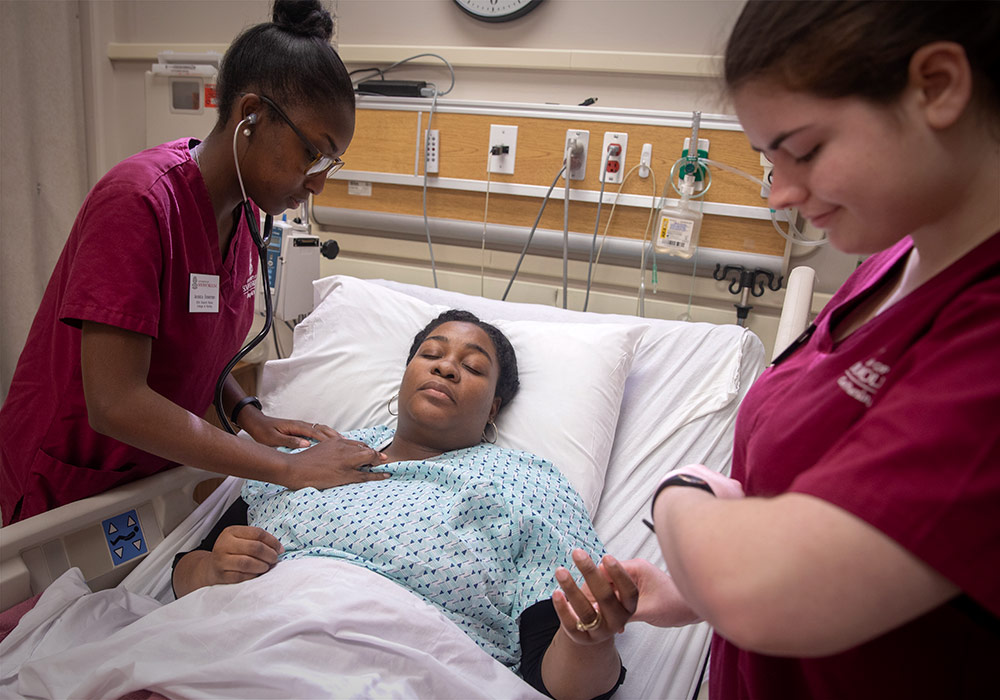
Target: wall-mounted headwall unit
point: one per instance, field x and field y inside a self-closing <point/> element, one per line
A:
<point x="381" y="190"/>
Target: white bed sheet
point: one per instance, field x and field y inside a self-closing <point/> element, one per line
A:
<point x="312" y="628"/>
<point x="678" y="407"/>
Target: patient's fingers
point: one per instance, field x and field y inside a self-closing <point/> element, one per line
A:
<point x="576" y="612"/>
<point x="242" y="552"/>
<point x="610" y="587"/>
<point x="625" y="588"/>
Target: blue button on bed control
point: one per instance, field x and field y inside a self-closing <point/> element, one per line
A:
<point x="124" y="536"/>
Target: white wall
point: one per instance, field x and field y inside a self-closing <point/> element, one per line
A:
<point x="655" y="27"/>
<point x="119" y="39"/>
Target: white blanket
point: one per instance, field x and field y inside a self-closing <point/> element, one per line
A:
<point x="310" y="628"/>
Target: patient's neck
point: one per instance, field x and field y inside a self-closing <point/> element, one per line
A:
<point x="413" y="445"/>
<point x="402" y="450"/>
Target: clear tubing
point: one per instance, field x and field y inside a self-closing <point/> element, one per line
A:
<point x="647" y="240"/>
<point x="794" y="235"/>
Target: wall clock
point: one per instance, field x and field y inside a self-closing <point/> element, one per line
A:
<point x="497" y="10"/>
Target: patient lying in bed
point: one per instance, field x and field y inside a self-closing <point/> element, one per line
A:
<point x="472" y="528"/>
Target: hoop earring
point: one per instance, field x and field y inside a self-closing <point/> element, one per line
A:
<point x="388" y="405"/>
<point x="496" y="433"/>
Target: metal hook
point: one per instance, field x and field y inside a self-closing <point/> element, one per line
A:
<point x="745" y="283"/>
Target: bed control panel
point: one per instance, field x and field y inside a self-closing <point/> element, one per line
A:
<point x="123" y="533"/>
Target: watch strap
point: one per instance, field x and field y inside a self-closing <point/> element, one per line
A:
<point x="243" y="403"/>
<point x="680" y="480"/>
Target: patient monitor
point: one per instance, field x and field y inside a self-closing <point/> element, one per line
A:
<point x="292" y="266"/>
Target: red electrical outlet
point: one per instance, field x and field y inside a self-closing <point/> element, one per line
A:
<point x="614" y="157"/>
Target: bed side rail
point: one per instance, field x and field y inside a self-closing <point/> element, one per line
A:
<point x="106" y="535"/>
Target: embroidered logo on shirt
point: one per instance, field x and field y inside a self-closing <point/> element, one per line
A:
<point x="250" y="286"/>
<point x="862" y="379"/>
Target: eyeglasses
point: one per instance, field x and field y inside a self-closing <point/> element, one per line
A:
<point x="320" y="162"/>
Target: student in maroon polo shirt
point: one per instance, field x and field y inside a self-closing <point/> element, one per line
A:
<point x="153" y="292"/>
<point x="864" y="559"/>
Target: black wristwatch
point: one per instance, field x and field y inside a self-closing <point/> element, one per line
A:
<point x="677" y="480"/>
<point x="245" y="401"/>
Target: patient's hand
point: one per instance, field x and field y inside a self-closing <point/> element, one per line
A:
<point x="609" y="596"/>
<point x="241" y="552"/>
<point x="584" y="662"/>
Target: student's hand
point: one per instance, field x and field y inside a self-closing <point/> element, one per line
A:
<point x="610" y="597"/>
<point x="242" y="552"/>
<point x="282" y="432"/>
<point x="333" y="462"/>
<point x="660" y="603"/>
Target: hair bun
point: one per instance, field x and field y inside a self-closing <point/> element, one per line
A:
<point x="304" y="17"/>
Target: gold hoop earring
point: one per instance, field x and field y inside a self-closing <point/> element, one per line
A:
<point x="388" y="405"/>
<point x="496" y="433"/>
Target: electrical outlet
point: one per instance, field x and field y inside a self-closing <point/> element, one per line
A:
<point x="503" y="148"/>
<point x="765" y="192"/>
<point x="699" y="175"/>
<point x="576" y="169"/>
<point x="432" y="142"/>
<point x="645" y="159"/>
<point x="613" y="157"/>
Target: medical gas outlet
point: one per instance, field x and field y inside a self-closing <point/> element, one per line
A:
<point x="613" y="157"/>
<point x="768" y="167"/>
<point x="697" y="170"/>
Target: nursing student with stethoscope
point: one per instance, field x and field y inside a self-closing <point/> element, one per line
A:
<point x="154" y="292"/>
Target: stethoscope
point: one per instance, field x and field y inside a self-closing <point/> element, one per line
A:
<point x="261" y="242"/>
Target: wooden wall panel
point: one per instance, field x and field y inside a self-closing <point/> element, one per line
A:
<point x="388" y="141"/>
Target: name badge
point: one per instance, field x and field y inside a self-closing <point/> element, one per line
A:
<point x="203" y="294"/>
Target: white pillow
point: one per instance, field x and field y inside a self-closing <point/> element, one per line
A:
<point x="350" y="353"/>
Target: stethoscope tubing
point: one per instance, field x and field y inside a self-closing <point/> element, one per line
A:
<point x="261" y="242"/>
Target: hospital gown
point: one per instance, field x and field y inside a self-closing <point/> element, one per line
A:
<point x="476" y="532"/>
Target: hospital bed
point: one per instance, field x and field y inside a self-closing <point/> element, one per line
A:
<point x="613" y="401"/>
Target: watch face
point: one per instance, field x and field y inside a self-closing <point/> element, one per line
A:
<point x="497" y="10"/>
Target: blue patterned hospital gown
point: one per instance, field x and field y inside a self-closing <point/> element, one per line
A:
<point x="477" y="532"/>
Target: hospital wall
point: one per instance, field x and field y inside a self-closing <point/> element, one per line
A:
<point x="630" y="55"/>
